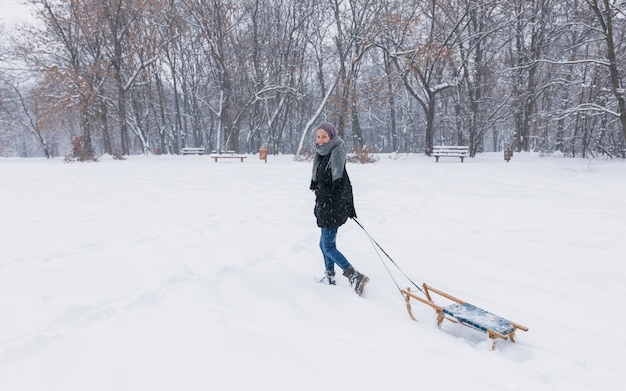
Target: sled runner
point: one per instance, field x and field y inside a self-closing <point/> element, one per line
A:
<point x="466" y="314"/>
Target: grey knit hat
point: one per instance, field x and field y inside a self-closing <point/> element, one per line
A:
<point x="328" y="128"/>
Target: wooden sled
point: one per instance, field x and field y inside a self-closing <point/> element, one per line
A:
<point x="466" y="314"/>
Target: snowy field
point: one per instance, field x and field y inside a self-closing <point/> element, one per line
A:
<point x="179" y="273"/>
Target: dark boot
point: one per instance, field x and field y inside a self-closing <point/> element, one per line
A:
<point x="329" y="277"/>
<point x="356" y="279"/>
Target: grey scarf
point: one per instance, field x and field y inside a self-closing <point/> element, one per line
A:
<point x="337" y="149"/>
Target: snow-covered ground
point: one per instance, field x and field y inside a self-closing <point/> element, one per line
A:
<point x="179" y="273"/>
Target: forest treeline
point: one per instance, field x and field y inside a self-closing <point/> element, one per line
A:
<point x="123" y="77"/>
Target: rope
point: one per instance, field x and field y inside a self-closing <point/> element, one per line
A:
<point x="378" y="247"/>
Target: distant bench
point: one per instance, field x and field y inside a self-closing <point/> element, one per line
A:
<point x="227" y="155"/>
<point x="461" y="151"/>
<point x="192" y="151"/>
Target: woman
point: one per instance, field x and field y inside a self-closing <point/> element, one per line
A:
<point x="333" y="202"/>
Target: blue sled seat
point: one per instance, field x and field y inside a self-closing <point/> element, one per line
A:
<point x="478" y="318"/>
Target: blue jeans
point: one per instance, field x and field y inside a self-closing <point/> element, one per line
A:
<point x="328" y="245"/>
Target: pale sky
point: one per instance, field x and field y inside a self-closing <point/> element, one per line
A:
<point x="13" y="12"/>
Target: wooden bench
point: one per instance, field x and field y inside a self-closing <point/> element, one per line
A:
<point x="227" y="155"/>
<point x="192" y="151"/>
<point x="461" y="151"/>
<point x="466" y="314"/>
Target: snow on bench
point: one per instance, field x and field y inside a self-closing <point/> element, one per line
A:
<point x="227" y="155"/>
<point x="461" y="151"/>
<point x="192" y="151"/>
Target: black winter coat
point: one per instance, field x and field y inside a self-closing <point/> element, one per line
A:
<point x="334" y="202"/>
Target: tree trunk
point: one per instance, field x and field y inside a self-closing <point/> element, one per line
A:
<point x="605" y="17"/>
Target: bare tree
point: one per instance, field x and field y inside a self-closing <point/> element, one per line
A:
<point x="356" y="26"/>
<point x="422" y="62"/>
<point x="606" y="12"/>
<point x="134" y="76"/>
<point x="480" y="105"/>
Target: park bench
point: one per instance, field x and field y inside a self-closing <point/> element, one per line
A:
<point x="461" y="151"/>
<point x="227" y="155"/>
<point x="192" y="151"/>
